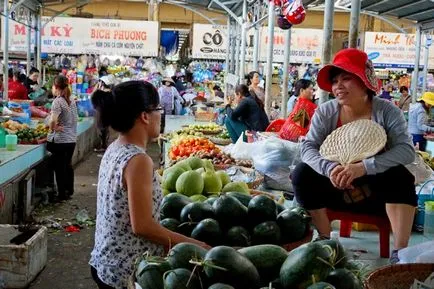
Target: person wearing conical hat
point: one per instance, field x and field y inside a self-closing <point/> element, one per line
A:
<point x="417" y="119"/>
<point x="379" y="184"/>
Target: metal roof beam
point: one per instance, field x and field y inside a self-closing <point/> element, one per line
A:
<point x="416" y="13"/>
<point x="427" y="20"/>
<point x="374" y="4"/>
<point x="194" y="10"/>
<point x="229" y="11"/>
<point x="401" y="7"/>
<point x="427" y="26"/>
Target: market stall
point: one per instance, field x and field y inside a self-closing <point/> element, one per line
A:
<point x="24" y="171"/>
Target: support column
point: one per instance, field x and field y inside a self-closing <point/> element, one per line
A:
<point x="6" y="50"/>
<point x="354" y="24"/>
<point x="237" y="49"/>
<point x="243" y="48"/>
<point x="256" y="38"/>
<point x="425" y="67"/>
<point x="416" y="65"/>
<point x="39" y="43"/>
<point x="29" y="44"/>
<point x="233" y="47"/>
<point x="328" y="42"/>
<point x="270" y="48"/>
<point x="285" y="72"/>
<point x="256" y="43"/>
<point x="228" y="49"/>
<point x="151" y="10"/>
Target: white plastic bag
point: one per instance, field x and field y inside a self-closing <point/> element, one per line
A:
<point x="276" y="158"/>
<point x="416" y="253"/>
<point x="242" y="150"/>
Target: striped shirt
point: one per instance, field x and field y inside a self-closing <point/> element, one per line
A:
<point x="67" y="118"/>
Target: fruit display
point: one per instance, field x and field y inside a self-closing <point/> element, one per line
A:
<point x="218" y="158"/>
<point x="427" y="158"/>
<point x="197" y="178"/>
<point x="210" y="128"/>
<point x="33" y="136"/>
<point x="234" y="218"/>
<point x="317" y="265"/>
<point x="187" y="146"/>
<point x="14" y="126"/>
<point x="183" y="133"/>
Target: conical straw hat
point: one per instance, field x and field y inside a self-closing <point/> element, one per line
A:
<point x="354" y="142"/>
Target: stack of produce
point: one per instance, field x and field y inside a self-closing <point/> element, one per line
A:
<point x="218" y="158"/>
<point x="263" y="266"/>
<point x="427" y="159"/>
<point x="186" y="146"/>
<point x="33" y="136"/>
<point x="197" y="179"/>
<point x="234" y="219"/>
<point x="183" y="133"/>
<point x="14" y="126"/>
<point x="210" y="128"/>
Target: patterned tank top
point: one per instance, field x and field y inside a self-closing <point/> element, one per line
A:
<point x="116" y="246"/>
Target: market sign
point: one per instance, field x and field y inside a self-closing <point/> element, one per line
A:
<point x="90" y="36"/>
<point x="306" y="45"/>
<point x="209" y="41"/>
<point x="395" y="50"/>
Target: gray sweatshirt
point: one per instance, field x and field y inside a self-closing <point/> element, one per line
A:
<point x="400" y="150"/>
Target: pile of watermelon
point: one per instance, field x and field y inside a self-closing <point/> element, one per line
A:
<point x="235" y="219"/>
<point x="318" y="265"/>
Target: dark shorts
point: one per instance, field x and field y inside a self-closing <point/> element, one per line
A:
<point x="314" y="191"/>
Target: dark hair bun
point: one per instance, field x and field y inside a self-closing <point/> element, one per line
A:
<point x="103" y="103"/>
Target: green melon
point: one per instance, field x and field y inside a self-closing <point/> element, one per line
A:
<point x="240" y="187"/>
<point x="190" y="183"/>
<point x="224" y="177"/>
<point x="198" y="198"/>
<point x="170" y="176"/>
<point x="184" y="165"/>
<point x="195" y="163"/>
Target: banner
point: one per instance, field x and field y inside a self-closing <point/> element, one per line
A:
<point x="209" y="41"/>
<point x="395" y="50"/>
<point x="90" y="36"/>
<point x="306" y="45"/>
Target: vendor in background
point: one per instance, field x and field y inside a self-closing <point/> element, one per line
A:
<point x="303" y="88"/>
<point x="31" y="81"/>
<point x="170" y="98"/>
<point x="105" y="83"/>
<point x="418" y="119"/>
<point x="253" y="81"/>
<point x="16" y="89"/>
<point x="405" y="100"/>
<point x="63" y="136"/>
<point x="374" y="185"/>
<point x="129" y="193"/>
<point x="249" y="113"/>
<point x="387" y="89"/>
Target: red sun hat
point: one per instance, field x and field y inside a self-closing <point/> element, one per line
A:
<point x="353" y="61"/>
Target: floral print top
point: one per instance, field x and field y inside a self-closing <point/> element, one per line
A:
<point x="116" y="246"/>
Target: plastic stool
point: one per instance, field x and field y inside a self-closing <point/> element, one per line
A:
<point x="347" y="219"/>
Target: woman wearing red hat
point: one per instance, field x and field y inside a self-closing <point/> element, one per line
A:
<point x="385" y="183"/>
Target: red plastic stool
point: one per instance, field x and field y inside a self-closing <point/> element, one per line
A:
<point x="347" y="219"/>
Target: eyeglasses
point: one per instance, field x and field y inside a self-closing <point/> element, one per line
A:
<point x="158" y="108"/>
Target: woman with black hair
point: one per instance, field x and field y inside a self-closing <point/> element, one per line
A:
<point x="253" y="81"/>
<point x="129" y="193"/>
<point x="63" y="136"/>
<point x="303" y="88"/>
<point x="248" y="115"/>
